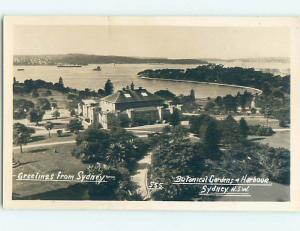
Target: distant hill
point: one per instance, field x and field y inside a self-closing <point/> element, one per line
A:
<point x="83" y="59"/>
<point x="263" y="59"/>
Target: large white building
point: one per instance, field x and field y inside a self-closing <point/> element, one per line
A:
<point x="135" y="105"/>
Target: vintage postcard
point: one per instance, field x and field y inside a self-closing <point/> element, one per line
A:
<point x="151" y="113"/>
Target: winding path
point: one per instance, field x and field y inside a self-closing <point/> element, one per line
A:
<point x="46" y="144"/>
<point x="140" y="178"/>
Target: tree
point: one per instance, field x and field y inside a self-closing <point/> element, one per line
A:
<point x="44" y="104"/>
<point x="36" y="115"/>
<point x="211" y="139"/>
<point x="229" y="103"/>
<point x="21" y="134"/>
<point x="209" y="106"/>
<point x="56" y="114"/>
<point x="219" y="101"/>
<point x="192" y="95"/>
<point x="175" y="117"/>
<point x="61" y="82"/>
<point x="230" y="131"/>
<point x="196" y="123"/>
<point x="109" y="87"/>
<point x="75" y="125"/>
<point x="101" y="92"/>
<point x="244" y="129"/>
<point x="48" y="127"/>
<point x="35" y="93"/>
<point x="244" y="99"/>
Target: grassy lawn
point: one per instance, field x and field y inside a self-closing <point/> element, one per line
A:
<point x="281" y="139"/>
<point x="44" y="160"/>
<point x="57" y="97"/>
<point x="44" y="139"/>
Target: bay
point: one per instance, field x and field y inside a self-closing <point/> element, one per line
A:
<point x="121" y="75"/>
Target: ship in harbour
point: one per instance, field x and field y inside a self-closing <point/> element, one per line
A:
<point x="98" y="68"/>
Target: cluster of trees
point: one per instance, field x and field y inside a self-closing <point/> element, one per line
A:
<point x="21" y="108"/>
<point x="212" y="131"/>
<point x="118" y="150"/>
<point x="114" y="147"/>
<point x="219" y="74"/>
<point x="275" y="107"/>
<point x="88" y="93"/>
<point x="260" y="130"/>
<point x="25" y="108"/>
<point x="120" y="187"/>
<point x="176" y="155"/>
<point x="31" y="86"/>
<point x="229" y="103"/>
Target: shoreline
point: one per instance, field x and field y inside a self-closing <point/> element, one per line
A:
<point x="209" y="83"/>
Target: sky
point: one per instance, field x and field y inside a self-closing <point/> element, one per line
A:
<point x="153" y="41"/>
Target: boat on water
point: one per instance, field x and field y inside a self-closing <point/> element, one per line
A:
<point x="98" y="68"/>
<point x="69" y="65"/>
<point x="20" y="69"/>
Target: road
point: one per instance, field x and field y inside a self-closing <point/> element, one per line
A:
<point x="140" y="178"/>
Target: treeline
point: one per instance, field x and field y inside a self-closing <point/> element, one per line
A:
<point x="225" y="75"/>
<point x="83" y="59"/>
<point x="230" y="103"/>
<point x="30" y="86"/>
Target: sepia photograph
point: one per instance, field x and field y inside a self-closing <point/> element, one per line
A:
<point x="148" y="112"/>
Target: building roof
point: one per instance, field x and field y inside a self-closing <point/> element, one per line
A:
<point x="131" y="95"/>
<point x="142" y="109"/>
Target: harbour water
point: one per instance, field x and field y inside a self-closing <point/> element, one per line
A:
<point x="121" y="75"/>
